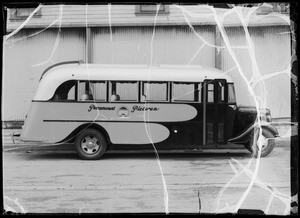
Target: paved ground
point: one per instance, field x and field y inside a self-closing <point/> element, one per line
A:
<point x="59" y="182"/>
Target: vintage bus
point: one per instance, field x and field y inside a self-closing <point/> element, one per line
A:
<point x="103" y="108"/>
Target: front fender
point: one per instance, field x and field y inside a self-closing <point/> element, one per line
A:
<point x="271" y="128"/>
<point x="244" y="137"/>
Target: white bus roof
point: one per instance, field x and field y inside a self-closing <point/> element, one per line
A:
<point x="76" y="71"/>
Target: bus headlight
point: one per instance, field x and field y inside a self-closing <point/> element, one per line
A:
<point x="266" y="117"/>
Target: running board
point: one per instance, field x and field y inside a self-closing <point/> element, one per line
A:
<point x="206" y="148"/>
<point x="196" y="151"/>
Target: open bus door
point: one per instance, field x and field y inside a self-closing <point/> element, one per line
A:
<point x="214" y="111"/>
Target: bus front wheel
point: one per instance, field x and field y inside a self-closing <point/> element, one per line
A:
<point x="90" y="144"/>
<point x="266" y="141"/>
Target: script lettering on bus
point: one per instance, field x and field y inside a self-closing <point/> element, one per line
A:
<point x="93" y="107"/>
<point x="139" y="108"/>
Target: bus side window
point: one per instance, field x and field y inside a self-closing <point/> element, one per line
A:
<point x="186" y="92"/>
<point x="221" y="92"/>
<point x="65" y="92"/>
<point x="154" y="91"/>
<point x="231" y="93"/>
<point x="85" y="90"/>
<point x="98" y="90"/>
<point x="124" y="91"/>
<point x="210" y="92"/>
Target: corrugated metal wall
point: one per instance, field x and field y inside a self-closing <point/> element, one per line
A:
<point x="26" y="59"/>
<point x="272" y="54"/>
<point x="125" y="15"/>
<point x="171" y="45"/>
<point x="120" y="15"/>
<point x="132" y="45"/>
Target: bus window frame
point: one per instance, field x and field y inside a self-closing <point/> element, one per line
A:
<point x="91" y="81"/>
<point x="168" y="94"/>
<point x="109" y="94"/>
<point x="196" y="92"/>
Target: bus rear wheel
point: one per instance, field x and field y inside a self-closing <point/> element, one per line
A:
<point x="266" y="140"/>
<point x="90" y="144"/>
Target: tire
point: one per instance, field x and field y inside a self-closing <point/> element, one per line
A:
<point x="268" y="142"/>
<point x="90" y="144"/>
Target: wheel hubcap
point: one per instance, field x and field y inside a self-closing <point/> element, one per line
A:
<point x="263" y="142"/>
<point x="90" y="144"/>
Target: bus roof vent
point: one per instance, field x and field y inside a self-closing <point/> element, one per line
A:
<point x="61" y="63"/>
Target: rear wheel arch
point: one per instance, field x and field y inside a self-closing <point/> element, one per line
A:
<point x="71" y="138"/>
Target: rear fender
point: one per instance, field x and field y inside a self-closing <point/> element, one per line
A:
<point x="72" y="136"/>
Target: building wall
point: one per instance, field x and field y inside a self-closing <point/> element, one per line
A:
<point x="272" y="49"/>
<point x="125" y="15"/>
<point x="129" y="45"/>
<point x="171" y="45"/>
<point x="25" y="57"/>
